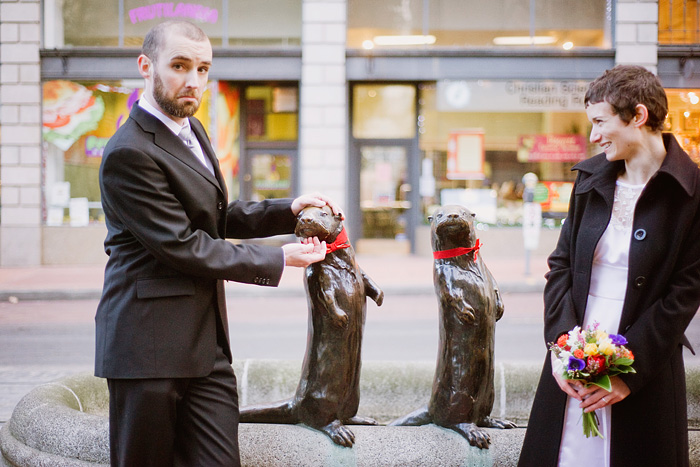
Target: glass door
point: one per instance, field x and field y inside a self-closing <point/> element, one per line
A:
<point x="385" y="196"/>
<point x="269" y="174"/>
<point x="384" y="191"/>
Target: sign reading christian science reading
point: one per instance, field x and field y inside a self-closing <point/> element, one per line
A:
<point x="511" y="95"/>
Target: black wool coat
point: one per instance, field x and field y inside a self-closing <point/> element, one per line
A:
<point x="649" y="427"/>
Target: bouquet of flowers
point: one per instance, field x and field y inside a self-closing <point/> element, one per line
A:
<point x="591" y="356"/>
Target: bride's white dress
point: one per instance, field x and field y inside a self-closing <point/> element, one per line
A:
<point x="605" y="299"/>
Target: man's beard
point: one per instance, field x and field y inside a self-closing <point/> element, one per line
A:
<point x="172" y="106"/>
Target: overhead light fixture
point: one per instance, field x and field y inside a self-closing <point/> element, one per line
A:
<point x="405" y="40"/>
<point x="524" y="40"/>
<point x="367" y="45"/>
<point x="567" y="45"/>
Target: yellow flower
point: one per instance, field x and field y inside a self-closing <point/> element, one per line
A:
<point x="601" y="335"/>
<point x="606" y="347"/>
<point x="590" y="349"/>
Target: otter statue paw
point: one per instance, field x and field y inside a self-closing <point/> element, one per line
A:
<point x="476" y="436"/>
<point x="339" y="434"/>
<point x="489" y="422"/>
<point x="361" y="421"/>
<point x="379" y="299"/>
<point x="340" y="318"/>
<point x="467" y="315"/>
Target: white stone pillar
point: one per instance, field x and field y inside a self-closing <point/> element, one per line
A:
<point x="324" y="103"/>
<point x="20" y="133"/>
<point x="637" y="33"/>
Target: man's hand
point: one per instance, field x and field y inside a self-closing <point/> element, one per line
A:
<point x="303" y="254"/>
<point x="315" y="199"/>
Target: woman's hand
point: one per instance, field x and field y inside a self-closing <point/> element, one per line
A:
<point x="315" y="199"/>
<point x="569" y="386"/>
<point x="594" y="397"/>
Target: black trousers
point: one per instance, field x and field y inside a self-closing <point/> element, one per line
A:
<point x="175" y="422"/>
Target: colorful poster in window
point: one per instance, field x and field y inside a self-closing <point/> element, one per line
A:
<point x="552" y="148"/>
<point x="553" y="196"/>
<point x="228" y="106"/>
<point x="465" y="155"/>
<point x="69" y="111"/>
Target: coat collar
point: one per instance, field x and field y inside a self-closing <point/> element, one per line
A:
<point x="603" y="174"/>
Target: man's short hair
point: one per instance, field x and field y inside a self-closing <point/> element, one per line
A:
<point x="626" y="86"/>
<point x="154" y="39"/>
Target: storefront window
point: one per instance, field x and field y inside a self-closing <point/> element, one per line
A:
<point x="123" y="23"/>
<point x="679" y="22"/>
<point x="78" y="120"/>
<point x="384" y="111"/>
<point x="272" y="176"/>
<point x="272" y="113"/>
<point x="683" y="119"/>
<point x="516" y="127"/>
<point x="500" y="23"/>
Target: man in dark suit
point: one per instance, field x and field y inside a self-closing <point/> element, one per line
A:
<point x="161" y="326"/>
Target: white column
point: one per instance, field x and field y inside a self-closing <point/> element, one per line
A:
<point x="323" y="110"/>
<point x="20" y="133"/>
<point x="637" y="33"/>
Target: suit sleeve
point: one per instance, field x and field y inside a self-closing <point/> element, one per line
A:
<point x="145" y="213"/>
<point x="559" y="312"/>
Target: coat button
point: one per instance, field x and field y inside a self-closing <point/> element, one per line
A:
<point x="220" y="205"/>
<point x="639" y="282"/>
<point x="640" y="234"/>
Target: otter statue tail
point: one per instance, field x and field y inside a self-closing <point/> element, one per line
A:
<point x="277" y="412"/>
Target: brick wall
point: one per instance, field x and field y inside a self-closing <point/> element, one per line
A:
<point x="637" y="30"/>
<point x="323" y="110"/>
<point x="20" y="133"/>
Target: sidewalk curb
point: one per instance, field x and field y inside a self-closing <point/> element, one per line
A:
<point x="241" y="291"/>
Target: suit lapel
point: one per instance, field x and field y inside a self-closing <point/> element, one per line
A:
<point x="209" y="152"/>
<point x="170" y="143"/>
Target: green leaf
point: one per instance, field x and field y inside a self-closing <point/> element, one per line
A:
<point x="623" y="361"/>
<point x="603" y="382"/>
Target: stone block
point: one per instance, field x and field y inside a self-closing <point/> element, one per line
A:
<point x="637" y="12"/>
<point x="322" y="54"/>
<point x="636" y="54"/>
<point x="20" y="135"/>
<point x="19" y="53"/>
<point x="20" y="12"/>
<point x="323" y="12"/>
<point x="20" y="245"/>
<point x="9" y="32"/>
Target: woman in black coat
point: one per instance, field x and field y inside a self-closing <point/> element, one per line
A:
<point x="660" y="292"/>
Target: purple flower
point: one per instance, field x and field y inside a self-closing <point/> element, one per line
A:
<point x="576" y="364"/>
<point x="618" y="339"/>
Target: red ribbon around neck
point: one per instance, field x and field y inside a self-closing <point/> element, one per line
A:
<point x="442" y="254"/>
<point x="341" y="241"/>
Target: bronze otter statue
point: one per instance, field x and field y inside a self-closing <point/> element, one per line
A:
<point x="328" y="394"/>
<point x="470" y="304"/>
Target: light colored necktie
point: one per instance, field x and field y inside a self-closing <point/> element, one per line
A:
<point x="186" y="136"/>
<point x="189" y="139"/>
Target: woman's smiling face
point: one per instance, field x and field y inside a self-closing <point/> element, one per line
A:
<point x="615" y="137"/>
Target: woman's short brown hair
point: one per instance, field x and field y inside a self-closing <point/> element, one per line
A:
<point x="626" y="86"/>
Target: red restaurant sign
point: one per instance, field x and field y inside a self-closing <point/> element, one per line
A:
<point x="554" y="148"/>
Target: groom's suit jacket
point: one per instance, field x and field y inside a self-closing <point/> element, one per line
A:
<point x="163" y="311"/>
